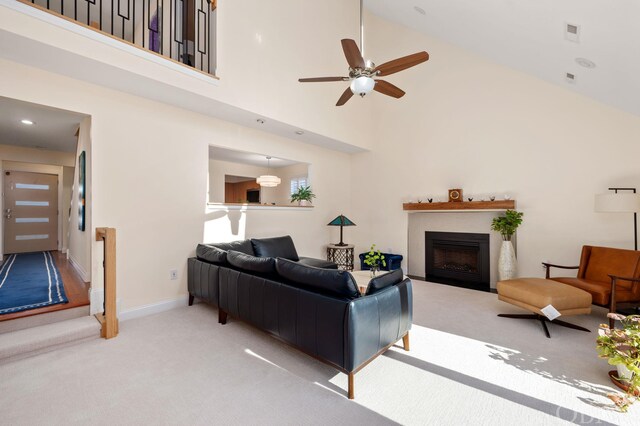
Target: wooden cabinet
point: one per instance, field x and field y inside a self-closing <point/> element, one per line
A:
<point x="237" y="192"/>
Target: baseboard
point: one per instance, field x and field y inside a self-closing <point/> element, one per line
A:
<point x="83" y="274"/>
<point x="153" y="308"/>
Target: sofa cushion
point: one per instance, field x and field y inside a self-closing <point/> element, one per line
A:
<point x="318" y="263"/>
<point x="275" y="247"/>
<point x="243" y="246"/>
<point x="246" y="262"/>
<point x="383" y="281"/>
<point x="212" y="254"/>
<point x="330" y="281"/>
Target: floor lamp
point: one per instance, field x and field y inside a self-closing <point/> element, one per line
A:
<point x="615" y="202"/>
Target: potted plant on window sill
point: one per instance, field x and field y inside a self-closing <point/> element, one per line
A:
<point x="621" y="347"/>
<point x="506" y="225"/>
<point x="303" y="196"/>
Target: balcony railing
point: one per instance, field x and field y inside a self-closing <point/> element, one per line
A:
<point x="182" y="30"/>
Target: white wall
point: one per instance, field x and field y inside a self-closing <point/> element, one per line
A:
<point x="468" y="123"/>
<point x="283" y="191"/>
<point x="148" y="178"/>
<point x="263" y="47"/>
<point x="80" y="241"/>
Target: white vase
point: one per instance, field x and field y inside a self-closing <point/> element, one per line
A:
<point x="304" y="203"/>
<point x="507" y="266"/>
<point x="623" y="372"/>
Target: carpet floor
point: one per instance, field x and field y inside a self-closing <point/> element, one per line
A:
<point x="466" y="366"/>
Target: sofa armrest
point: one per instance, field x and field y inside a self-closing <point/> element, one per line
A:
<point x="202" y="280"/>
<point x="616" y="278"/>
<point x="551" y="265"/>
<point x="376" y="321"/>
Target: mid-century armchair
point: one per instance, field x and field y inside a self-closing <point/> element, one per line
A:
<point x="611" y="275"/>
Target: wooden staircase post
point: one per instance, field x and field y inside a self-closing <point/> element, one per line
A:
<point x="108" y="319"/>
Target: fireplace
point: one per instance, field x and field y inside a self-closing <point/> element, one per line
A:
<point x="458" y="258"/>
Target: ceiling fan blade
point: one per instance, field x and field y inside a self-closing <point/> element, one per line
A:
<point x="400" y="64"/>
<point x="346" y="95"/>
<point x="322" y="79"/>
<point x="352" y="53"/>
<point x="388" y="89"/>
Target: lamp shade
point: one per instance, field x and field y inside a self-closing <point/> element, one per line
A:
<point x="269" y="181"/>
<point x="341" y="221"/>
<point x="617" y="203"/>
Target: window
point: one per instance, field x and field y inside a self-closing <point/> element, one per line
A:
<point x="297" y="183"/>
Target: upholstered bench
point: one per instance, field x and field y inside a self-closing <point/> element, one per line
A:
<point x="534" y="294"/>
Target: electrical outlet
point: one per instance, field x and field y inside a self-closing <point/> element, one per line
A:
<point x="173" y="274"/>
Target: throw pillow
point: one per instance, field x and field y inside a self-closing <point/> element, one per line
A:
<point x="275" y="247"/>
<point x="383" y="281"/>
<point x="245" y="262"/>
<point x="211" y="254"/>
<point x="331" y="281"/>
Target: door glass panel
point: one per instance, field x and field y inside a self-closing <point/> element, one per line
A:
<point x="32" y="203"/>
<point x="31" y="186"/>
<point x="32" y="237"/>
<point x="32" y="220"/>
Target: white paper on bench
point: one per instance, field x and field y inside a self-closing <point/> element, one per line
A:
<point x="550" y="312"/>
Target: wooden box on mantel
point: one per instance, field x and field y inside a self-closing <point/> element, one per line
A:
<point x="464" y="205"/>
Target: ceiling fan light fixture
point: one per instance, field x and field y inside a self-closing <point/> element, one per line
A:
<point x="362" y="85"/>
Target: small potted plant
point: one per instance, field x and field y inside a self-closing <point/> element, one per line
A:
<point x="621" y="347"/>
<point x="374" y="259"/>
<point x="303" y="196"/>
<point x="506" y="225"/>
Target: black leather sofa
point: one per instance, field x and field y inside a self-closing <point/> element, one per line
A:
<point x="304" y="302"/>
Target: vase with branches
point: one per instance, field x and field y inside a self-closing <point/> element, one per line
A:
<point x="506" y="225"/>
<point x="374" y="259"/>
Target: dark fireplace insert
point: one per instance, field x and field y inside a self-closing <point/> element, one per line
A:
<point x="458" y="258"/>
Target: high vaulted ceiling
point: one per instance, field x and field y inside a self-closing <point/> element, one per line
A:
<point x="529" y="35"/>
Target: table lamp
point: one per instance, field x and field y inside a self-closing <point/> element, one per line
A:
<point x="341" y="221"/>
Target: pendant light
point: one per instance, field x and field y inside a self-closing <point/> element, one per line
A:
<point x="268" y="181"/>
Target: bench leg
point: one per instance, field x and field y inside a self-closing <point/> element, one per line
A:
<point x="544" y="321"/>
<point x="191" y="299"/>
<point x="351" y="385"/>
<point x="222" y="316"/>
<point x="405" y="341"/>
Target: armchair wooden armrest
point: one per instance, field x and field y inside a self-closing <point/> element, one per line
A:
<point x="614" y="280"/>
<point x="551" y="265"/>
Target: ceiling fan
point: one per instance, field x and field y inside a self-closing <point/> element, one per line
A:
<point x="362" y="75"/>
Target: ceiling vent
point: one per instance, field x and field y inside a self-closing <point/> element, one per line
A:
<point x="571" y="78"/>
<point x="572" y="32"/>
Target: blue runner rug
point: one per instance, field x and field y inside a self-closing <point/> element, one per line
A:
<point x="29" y="281"/>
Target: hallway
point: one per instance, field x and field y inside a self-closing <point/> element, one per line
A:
<point x="77" y="291"/>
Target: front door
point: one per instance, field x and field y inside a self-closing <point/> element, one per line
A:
<point x="30" y="212"/>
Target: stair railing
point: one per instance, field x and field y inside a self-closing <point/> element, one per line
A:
<point x="109" y="317"/>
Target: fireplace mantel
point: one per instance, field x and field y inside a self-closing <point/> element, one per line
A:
<point x="470" y="206"/>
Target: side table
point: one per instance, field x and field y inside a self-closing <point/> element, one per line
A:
<point x="341" y="255"/>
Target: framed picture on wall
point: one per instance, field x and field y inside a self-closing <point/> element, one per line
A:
<point x="81" y="190"/>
